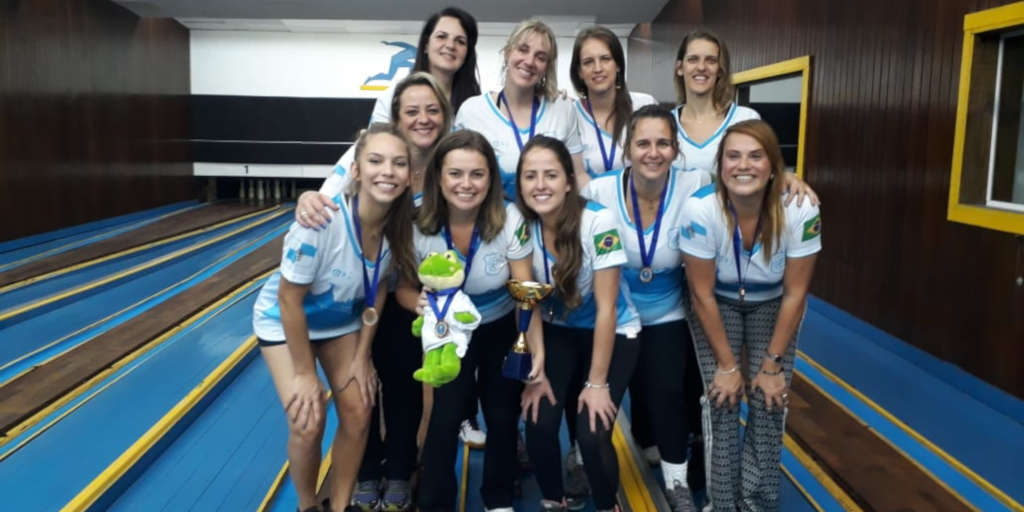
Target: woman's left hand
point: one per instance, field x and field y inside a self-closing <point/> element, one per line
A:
<point x="799" y="189"/>
<point x="598" y="402"/>
<point x="365" y="375"/>
<point x="774" y="389"/>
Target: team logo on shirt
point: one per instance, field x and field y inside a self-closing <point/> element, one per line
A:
<point x="523" y="233"/>
<point x="294" y="255"/>
<point x="812" y="228"/>
<point x="607" y="242"/>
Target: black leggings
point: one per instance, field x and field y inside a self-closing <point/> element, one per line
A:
<point x="499" y="397"/>
<point x="662" y="376"/>
<point x="567" y="364"/>
<point x="396" y="354"/>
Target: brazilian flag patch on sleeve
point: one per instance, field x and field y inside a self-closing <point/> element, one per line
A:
<point x="812" y="228"/>
<point x="523" y="233"/>
<point x="607" y="242"/>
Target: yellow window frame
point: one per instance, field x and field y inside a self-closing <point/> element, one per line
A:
<point x="979" y="215"/>
<point x="801" y="65"/>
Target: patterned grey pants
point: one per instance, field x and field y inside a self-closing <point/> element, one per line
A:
<point x="753" y="484"/>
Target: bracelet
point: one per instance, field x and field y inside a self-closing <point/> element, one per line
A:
<point x="730" y="371"/>
<point x="587" y="384"/>
<point x="766" y="372"/>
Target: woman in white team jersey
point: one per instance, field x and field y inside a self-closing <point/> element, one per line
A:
<point x="646" y="199"/>
<point x="324" y="306"/>
<point x="598" y="73"/>
<point x="528" y="103"/>
<point x="590" y="326"/>
<point x="749" y="261"/>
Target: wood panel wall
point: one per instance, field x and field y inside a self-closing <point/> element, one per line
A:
<point x="879" y="146"/>
<point x="93" y="113"/>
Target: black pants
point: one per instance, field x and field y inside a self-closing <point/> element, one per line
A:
<point x="499" y="397"/>
<point x="567" y="364"/>
<point x="662" y="374"/>
<point x="396" y="354"/>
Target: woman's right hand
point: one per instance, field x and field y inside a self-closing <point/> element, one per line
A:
<point x="422" y="303"/>
<point x="726" y="387"/>
<point x="535" y="390"/>
<point x="313" y="210"/>
<point x="306" y="407"/>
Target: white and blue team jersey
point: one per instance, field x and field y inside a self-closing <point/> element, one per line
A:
<point x="335" y="184"/>
<point x="660" y="300"/>
<point x="706" y="235"/>
<point x="382" y="107"/>
<point x="702" y="156"/>
<point x="593" y="161"/>
<point x="554" y="118"/>
<point x="330" y="261"/>
<point x="602" y="248"/>
<point x="485" y="283"/>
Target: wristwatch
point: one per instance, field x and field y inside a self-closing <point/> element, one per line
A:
<point x="775" y="358"/>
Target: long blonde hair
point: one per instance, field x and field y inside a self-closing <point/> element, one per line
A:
<point x="398" y="226"/>
<point x="772" y="217"/>
<point x="548" y="85"/>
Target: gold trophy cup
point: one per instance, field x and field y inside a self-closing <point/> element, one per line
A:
<point x="527" y="293"/>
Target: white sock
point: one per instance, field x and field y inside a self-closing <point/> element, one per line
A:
<point x="675" y="474"/>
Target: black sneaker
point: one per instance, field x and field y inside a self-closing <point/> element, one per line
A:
<point x="577" y="487"/>
<point x="679" y="498"/>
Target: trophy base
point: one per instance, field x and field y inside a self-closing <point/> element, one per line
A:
<point x="517" y="366"/>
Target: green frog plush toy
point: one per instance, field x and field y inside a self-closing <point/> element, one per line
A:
<point x="447" y="324"/>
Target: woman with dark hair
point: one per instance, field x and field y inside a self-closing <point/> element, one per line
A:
<point x="590" y="326"/>
<point x="598" y="73"/>
<point x="446" y="50"/>
<point x="313" y="310"/>
<point x="646" y="199"/>
<point x="464" y="210"/>
<point x="528" y="103"/>
<point x="749" y="261"/>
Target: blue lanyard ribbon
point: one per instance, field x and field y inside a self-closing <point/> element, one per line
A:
<point x="474" y="244"/>
<point x="449" y="294"/>
<point x="515" y="128"/>
<point x="369" y="289"/>
<point x="544" y="253"/>
<point x="608" y="161"/>
<point x="737" y="247"/>
<point x="647" y="257"/>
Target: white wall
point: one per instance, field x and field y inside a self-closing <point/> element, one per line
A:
<point x="328" y="65"/>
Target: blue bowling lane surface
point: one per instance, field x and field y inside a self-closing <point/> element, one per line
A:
<point x="52" y="468"/>
<point x="14" y="253"/>
<point x="43" y="332"/>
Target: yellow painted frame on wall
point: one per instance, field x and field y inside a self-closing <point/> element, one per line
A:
<point x="982" y="216"/>
<point x="800" y="65"/>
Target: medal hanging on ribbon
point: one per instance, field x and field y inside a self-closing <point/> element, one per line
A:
<point x="370" y="314"/>
<point x="608" y="161"/>
<point x="646" y="254"/>
<point x="441" y="328"/>
<point x="515" y="128"/>
<point x="737" y="250"/>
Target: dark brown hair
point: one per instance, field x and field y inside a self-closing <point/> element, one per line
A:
<point x="724" y="92"/>
<point x="567" y="240"/>
<point x="650" y="112"/>
<point x="433" y="213"/>
<point x="623" y="102"/>
<point x="772" y="216"/>
<point x="398" y="225"/>
<point x="465" y="83"/>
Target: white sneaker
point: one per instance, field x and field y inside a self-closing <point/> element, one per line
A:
<point x="501" y="509"/>
<point x="471" y="435"/>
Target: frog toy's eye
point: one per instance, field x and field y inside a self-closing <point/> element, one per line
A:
<point x="450" y="256"/>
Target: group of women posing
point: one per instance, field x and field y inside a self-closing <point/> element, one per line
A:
<point x="605" y="198"/>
